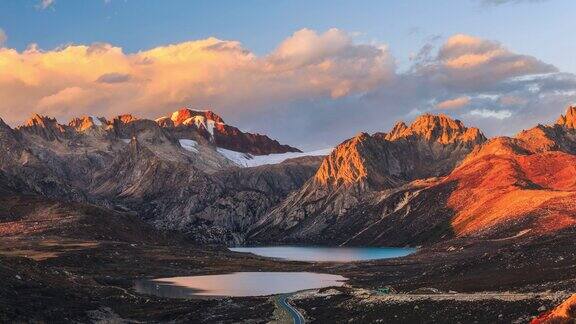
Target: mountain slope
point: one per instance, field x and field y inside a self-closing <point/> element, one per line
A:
<point x="431" y="146"/>
<point x="506" y="186"/>
<point x="212" y="208"/>
<point x="170" y="172"/>
<point x="362" y="172"/>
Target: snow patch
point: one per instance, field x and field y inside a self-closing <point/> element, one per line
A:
<point x="189" y="145"/>
<point x="249" y="160"/>
<point x="125" y="140"/>
<point x="210" y="127"/>
<point x="238" y="158"/>
<point x="201" y="122"/>
<point x="96" y="121"/>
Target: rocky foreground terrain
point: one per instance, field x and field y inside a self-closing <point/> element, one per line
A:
<point x="88" y="207"/>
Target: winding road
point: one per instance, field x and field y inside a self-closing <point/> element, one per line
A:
<point x="296" y="316"/>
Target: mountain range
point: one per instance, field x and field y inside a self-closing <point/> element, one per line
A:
<point x="433" y="180"/>
<point x="179" y="172"/>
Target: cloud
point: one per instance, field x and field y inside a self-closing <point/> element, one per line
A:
<point x="453" y="103"/>
<point x="3" y="37"/>
<point x="466" y="61"/>
<point x="331" y="58"/>
<point x="487" y="113"/>
<point x="314" y="89"/>
<point x="67" y="99"/>
<point x="113" y="78"/>
<point x="45" y="4"/>
<point x="511" y="100"/>
<point x="203" y="72"/>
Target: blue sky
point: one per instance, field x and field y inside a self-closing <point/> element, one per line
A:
<point x="350" y="66"/>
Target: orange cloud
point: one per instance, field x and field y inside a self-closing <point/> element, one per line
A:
<point x="476" y="60"/>
<point x="454" y="103"/>
<point x="102" y="79"/>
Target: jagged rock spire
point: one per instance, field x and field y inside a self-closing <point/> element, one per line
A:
<point x="43" y="126"/>
<point x="568" y="120"/>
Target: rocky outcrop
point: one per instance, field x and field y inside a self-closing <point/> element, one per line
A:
<point x="44" y="127"/>
<point x="28" y="168"/>
<point x="558" y="137"/>
<point x="145" y="130"/>
<point x="9" y="142"/>
<point x="564" y="313"/>
<point x="568" y="120"/>
<point x="436" y="129"/>
<point x="85" y="123"/>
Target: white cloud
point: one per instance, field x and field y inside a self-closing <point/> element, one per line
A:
<point x="468" y="62"/>
<point x="45" y="4"/>
<point x="487" y="113"/>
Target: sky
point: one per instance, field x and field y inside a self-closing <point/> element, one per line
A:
<point x="309" y="73"/>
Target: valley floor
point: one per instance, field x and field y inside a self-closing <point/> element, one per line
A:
<point x="54" y="278"/>
<point x="65" y="262"/>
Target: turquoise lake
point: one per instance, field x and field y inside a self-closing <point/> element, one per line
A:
<point x="326" y="254"/>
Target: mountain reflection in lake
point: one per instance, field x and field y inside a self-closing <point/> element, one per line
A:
<point x="326" y="254"/>
<point x="238" y="284"/>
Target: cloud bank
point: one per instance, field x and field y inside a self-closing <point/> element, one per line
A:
<point x="314" y="89"/>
